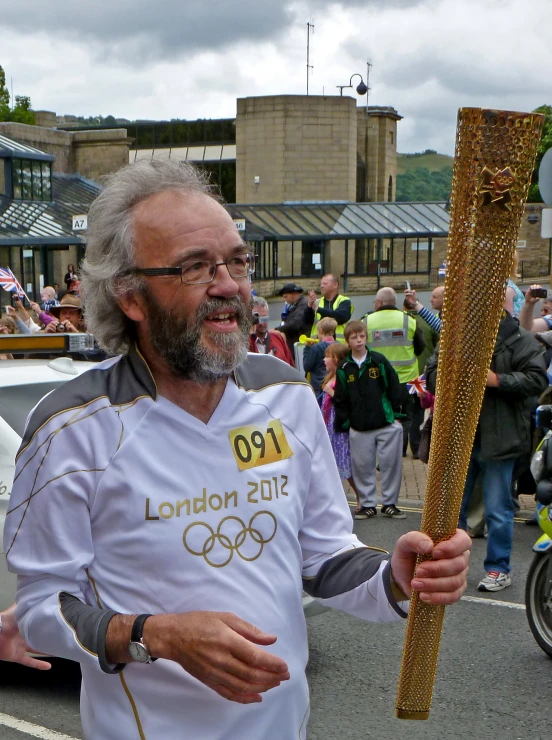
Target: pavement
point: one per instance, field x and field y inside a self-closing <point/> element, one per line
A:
<point x="414" y="480"/>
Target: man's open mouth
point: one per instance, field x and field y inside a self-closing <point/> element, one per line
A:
<point x="222" y="318"/>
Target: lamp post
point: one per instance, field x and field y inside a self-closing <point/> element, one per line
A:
<point x="361" y="88"/>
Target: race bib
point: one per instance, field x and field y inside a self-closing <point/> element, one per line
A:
<point x="254" y="445"/>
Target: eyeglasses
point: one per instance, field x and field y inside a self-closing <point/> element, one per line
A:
<point x="200" y="272"/>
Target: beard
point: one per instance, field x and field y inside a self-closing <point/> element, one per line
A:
<point x="179" y="342"/>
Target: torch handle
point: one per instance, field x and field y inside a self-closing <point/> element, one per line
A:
<point x="423" y="633"/>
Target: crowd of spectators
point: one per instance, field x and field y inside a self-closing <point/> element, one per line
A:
<point x="385" y="378"/>
<point x="365" y="375"/>
<point x="55" y="313"/>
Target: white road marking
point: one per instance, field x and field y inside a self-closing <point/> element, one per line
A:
<point x="493" y="602"/>
<point x="30" y="729"/>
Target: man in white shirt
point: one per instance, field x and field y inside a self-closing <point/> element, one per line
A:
<point x="199" y="495"/>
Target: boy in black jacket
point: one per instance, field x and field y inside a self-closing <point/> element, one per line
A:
<point x="367" y="400"/>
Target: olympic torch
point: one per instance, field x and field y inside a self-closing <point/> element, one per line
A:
<point x="494" y="161"/>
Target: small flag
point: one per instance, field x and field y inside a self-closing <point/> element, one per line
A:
<point x="10" y="283"/>
<point x="418" y="385"/>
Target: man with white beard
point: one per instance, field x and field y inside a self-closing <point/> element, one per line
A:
<point x="171" y="504"/>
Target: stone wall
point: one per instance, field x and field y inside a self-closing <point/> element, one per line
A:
<point x="46" y="118"/>
<point x="49" y="140"/>
<point x="91" y="154"/>
<point x="380" y="151"/>
<point x="299" y="147"/>
<point x="98" y="153"/>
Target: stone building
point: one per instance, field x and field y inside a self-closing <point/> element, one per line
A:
<point x="38" y="232"/>
<point x="292" y="153"/>
<point x="321" y="148"/>
<point x="91" y="154"/>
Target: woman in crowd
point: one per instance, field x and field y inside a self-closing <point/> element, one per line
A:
<point x="335" y="354"/>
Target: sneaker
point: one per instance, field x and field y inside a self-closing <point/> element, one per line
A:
<point x="393" y="512"/>
<point x="494" y="581"/>
<point x="365" y="512"/>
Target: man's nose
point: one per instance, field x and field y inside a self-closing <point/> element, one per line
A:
<point x="223" y="283"/>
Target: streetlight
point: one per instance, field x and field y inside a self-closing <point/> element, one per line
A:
<point x="361" y="88"/>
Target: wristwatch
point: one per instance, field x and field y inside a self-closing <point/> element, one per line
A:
<point x="138" y="651"/>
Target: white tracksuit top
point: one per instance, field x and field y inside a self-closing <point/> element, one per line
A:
<point x="129" y="503"/>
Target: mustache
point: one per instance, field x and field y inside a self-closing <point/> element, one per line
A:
<point x="235" y="305"/>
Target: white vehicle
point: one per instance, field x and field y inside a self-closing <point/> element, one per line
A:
<point x="23" y="383"/>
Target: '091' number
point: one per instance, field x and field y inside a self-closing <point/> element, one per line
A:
<point x="254" y="445"/>
<point x="243" y="445"/>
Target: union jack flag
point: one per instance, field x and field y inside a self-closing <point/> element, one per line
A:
<point x="418" y="385"/>
<point x="10" y="283"/>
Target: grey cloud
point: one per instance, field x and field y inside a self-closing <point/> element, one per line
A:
<point x="389" y="4"/>
<point x="464" y="76"/>
<point x="134" y="30"/>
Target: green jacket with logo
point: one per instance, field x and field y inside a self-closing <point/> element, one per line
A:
<point x="367" y="397"/>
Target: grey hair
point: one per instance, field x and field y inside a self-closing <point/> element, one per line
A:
<point x="110" y="243"/>
<point x="258" y="301"/>
<point x="387" y="296"/>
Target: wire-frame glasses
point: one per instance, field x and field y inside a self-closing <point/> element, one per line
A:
<point x="199" y="272"/>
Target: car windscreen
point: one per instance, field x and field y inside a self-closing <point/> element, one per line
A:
<point x="16" y="402"/>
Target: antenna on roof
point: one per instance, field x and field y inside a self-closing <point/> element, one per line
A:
<point x="309" y="66"/>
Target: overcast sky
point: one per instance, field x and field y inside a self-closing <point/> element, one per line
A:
<point x="192" y="59"/>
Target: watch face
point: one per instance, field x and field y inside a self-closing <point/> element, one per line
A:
<point x="138" y="652"/>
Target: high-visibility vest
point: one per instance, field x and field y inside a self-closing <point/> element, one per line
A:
<point x="391" y="333"/>
<point x="340" y="330"/>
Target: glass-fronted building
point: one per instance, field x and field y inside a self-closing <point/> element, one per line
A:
<point x="37" y="206"/>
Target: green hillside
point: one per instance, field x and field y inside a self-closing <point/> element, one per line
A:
<point x="424" y="176"/>
<point x="430" y="159"/>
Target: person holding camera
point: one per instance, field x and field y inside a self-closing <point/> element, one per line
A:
<point x="532" y="296"/>
<point x="23" y="320"/>
<point x="263" y="340"/>
<point x="68" y="316"/>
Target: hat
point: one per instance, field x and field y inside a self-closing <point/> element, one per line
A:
<point x="290" y="288"/>
<point x="68" y="301"/>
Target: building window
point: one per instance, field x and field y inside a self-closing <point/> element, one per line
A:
<point x="32" y="179"/>
<point x="392" y="138"/>
<point x="390" y="189"/>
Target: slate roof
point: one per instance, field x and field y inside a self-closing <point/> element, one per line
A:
<point x="27" y="222"/>
<point x="12" y="148"/>
<point x="341" y="220"/>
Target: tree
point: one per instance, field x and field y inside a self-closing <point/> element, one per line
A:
<point x="4" y="98"/>
<point x="419" y="184"/>
<point x="545" y="145"/>
<point x="21" y="112"/>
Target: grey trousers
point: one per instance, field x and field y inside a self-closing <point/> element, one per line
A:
<point x="385" y="445"/>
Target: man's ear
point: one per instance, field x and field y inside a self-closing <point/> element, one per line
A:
<point x="132" y="305"/>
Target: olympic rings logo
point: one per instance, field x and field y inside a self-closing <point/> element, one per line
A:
<point x="235" y="539"/>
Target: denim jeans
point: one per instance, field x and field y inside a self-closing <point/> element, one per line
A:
<point x="499" y="509"/>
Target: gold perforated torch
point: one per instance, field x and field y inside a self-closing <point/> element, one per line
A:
<point x="494" y="161"/>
